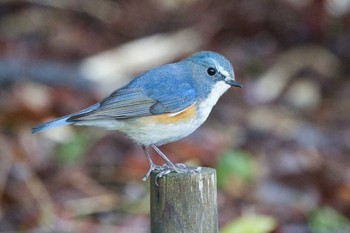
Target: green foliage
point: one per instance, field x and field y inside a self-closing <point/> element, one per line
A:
<point x="327" y="220"/>
<point x="70" y="152"/>
<point x="250" y="224"/>
<point x="234" y="165"/>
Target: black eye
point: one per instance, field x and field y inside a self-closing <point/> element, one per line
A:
<point x="211" y="71"/>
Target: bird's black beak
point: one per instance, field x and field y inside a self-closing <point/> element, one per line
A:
<point x="233" y="82"/>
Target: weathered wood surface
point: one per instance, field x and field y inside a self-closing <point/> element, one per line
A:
<point x="185" y="203"/>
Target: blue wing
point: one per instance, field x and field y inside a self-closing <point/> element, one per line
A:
<point x="166" y="89"/>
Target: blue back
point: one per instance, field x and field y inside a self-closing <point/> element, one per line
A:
<point x="170" y="85"/>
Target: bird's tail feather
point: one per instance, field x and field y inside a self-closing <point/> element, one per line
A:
<point x="62" y="120"/>
<point x="51" y="124"/>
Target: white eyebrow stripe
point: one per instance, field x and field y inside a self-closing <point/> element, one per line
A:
<point x="223" y="71"/>
<point x="220" y="68"/>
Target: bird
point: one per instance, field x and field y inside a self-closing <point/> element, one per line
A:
<point x="160" y="106"/>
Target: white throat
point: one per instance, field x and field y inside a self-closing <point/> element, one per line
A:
<point x="206" y="105"/>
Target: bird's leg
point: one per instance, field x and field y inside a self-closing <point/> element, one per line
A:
<point x="178" y="167"/>
<point x="167" y="161"/>
<point x="152" y="166"/>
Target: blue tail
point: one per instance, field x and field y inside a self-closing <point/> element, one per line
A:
<point x="62" y="120"/>
<point x="51" y="124"/>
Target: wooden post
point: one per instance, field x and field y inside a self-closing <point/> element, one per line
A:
<point x="185" y="203"/>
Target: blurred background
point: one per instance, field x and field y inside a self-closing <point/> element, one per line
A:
<point x="281" y="145"/>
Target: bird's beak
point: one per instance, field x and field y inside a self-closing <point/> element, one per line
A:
<point x="233" y="82"/>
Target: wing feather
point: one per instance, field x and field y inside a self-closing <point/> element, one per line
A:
<point x="149" y="94"/>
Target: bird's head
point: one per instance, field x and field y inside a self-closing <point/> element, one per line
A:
<point x="212" y="72"/>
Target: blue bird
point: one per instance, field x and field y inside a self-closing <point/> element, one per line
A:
<point x="160" y="106"/>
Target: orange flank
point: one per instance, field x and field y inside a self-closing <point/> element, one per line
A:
<point x="168" y="118"/>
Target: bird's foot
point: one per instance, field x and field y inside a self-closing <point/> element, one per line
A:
<point x="166" y="169"/>
<point x="177" y="168"/>
<point x="154" y="167"/>
<point x="183" y="168"/>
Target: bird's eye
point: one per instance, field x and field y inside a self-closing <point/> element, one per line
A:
<point x="211" y="71"/>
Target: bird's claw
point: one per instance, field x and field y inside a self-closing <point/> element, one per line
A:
<point x="154" y="167"/>
<point x="166" y="169"/>
<point x="183" y="168"/>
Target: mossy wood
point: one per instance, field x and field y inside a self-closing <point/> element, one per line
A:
<point x="185" y="203"/>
